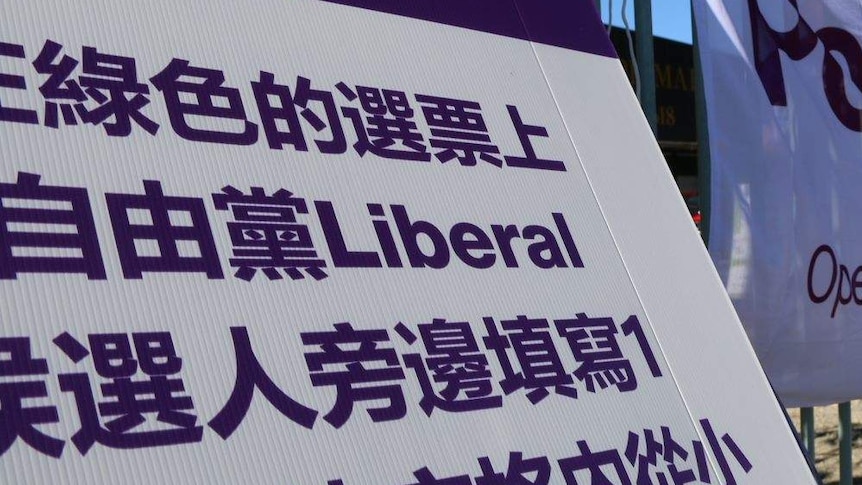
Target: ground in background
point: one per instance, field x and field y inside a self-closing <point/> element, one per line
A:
<point x="826" y="442"/>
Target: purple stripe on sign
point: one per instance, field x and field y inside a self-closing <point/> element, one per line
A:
<point x="571" y="24"/>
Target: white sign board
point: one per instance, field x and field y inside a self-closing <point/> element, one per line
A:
<point x="311" y="243"/>
<point x="782" y="87"/>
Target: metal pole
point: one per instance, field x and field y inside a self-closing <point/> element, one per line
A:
<point x="646" y="60"/>
<point x="704" y="164"/>
<point x="845" y="451"/>
<point x="806" y="426"/>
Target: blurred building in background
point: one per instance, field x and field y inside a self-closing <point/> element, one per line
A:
<point x="677" y="134"/>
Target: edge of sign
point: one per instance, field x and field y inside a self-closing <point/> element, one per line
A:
<point x="568" y="24"/>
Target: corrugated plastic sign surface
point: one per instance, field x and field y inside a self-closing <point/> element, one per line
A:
<point x="371" y="242"/>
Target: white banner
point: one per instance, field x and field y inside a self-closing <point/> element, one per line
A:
<point x="353" y="242"/>
<point x="782" y="82"/>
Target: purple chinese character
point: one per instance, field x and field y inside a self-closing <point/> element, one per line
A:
<point x="161" y="241"/>
<point x="280" y="121"/>
<point x="11" y="81"/>
<point x="18" y="420"/>
<point x="352" y="349"/>
<point x="541" y="366"/>
<point x="112" y="81"/>
<point x="129" y="400"/>
<point x="266" y="235"/>
<point x="594" y="345"/>
<point x="672" y="450"/>
<point x="457" y="364"/>
<point x="518" y="472"/>
<point x="598" y="466"/>
<point x="425" y="477"/>
<point x="633" y="326"/>
<point x="647" y="463"/>
<point x="178" y="81"/>
<point x="530" y="159"/>
<point x="250" y="375"/>
<point x="275" y="115"/>
<point x="304" y="96"/>
<point x="389" y="120"/>
<point x="55" y="230"/>
<point x="719" y="455"/>
<point x="458" y="130"/>
<point x="702" y="462"/>
<point x="61" y="93"/>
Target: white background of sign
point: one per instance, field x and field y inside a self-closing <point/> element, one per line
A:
<point x="641" y="254"/>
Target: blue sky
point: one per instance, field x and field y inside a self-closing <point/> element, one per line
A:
<point x="671" y="18"/>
